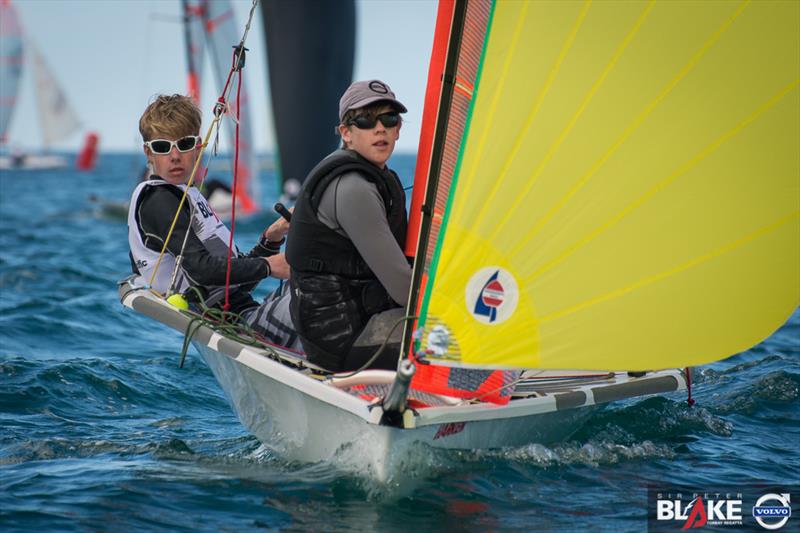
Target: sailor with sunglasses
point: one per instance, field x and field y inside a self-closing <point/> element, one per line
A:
<point x="350" y="279"/>
<point x="169" y="128"/>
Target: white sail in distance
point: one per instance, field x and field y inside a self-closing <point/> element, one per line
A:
<point x="11" y="57"/>
<point x="57" y="119"/>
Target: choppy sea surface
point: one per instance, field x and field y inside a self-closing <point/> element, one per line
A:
<point x="101" y="431"/>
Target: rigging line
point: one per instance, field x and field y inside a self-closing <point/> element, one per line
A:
<point x="632" y="127"/>
<point x="227" y="324"/>
<point x="644" y="198"/>
<point x="233" y="196"/>
<point x="727" y="248"/>
<point x="238" y="54"/>
<point x="513" y="383"/>
<point x="179" y="259"/>
<point x="534" y="112"/>
<point x="574" y="120"/>
<point x="482" y="140"/>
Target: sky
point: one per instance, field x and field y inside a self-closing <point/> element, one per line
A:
<point x="112" y="56"/>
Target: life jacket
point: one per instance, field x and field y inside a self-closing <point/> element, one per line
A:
<point x="334" y="292"/>
<point x="205" y="225"/>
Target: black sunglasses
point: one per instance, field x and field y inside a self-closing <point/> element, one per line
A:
<point x="363" y="122"/>
<point x="164" y="146"/>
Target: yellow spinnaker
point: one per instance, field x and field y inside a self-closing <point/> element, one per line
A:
<point x="631" y="172"/>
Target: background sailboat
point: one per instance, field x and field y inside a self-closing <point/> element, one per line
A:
<point x="57" y="119"/>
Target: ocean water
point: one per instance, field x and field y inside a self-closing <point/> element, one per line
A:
<point x="101" y="431"/>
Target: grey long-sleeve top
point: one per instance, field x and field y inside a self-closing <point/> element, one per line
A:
<point x="352" y="207"/>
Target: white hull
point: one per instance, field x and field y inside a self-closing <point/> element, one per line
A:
<point x="301" y="427"/>
<point x="306" y="418"/>
<point x="33" y="162"/>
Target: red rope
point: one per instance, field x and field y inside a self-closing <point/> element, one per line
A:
<point x="226" y="307"/>
<point x="688" y="372"/>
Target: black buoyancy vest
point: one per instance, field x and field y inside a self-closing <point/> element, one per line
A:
<point x="314" y="247"/>
<point x="334" y="292"/>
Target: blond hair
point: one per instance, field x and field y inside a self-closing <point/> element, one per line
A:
<point x="176" y="116"/>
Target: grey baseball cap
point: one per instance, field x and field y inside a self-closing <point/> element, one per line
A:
<point x="363" y="93"/>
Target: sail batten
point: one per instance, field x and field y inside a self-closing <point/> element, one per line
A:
<point x="626" y="191"/>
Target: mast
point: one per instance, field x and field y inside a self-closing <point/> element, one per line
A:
<point x="449" y="32"/>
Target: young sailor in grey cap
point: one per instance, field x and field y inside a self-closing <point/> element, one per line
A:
<point x="362" y="93"/>
<point x="350" y="279"/>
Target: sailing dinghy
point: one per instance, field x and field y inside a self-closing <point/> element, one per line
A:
<point x="57" y="119"/>
<point x="599" y="185"/>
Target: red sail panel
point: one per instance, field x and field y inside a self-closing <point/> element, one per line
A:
<point x="444" y="21"/>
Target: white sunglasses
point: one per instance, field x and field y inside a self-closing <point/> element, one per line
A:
<point x="164" y="146"/>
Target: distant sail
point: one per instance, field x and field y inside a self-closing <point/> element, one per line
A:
<point x="223" y="32"/>
<point x="11" y="57"/>
<point x="311" y="49"/>
<point x="625" y="191"/>
<point x="56" y="117"/>
<point x="195" y="39"/>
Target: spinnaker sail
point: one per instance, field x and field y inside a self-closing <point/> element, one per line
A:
<point x="618" y="186"/>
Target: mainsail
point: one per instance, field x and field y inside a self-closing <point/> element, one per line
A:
<point x="614" y="184"/>
<point x="11" y="56"/>
<point x="222" y="33"/>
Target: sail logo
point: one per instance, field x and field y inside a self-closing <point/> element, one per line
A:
<point x="491" y="295"/>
